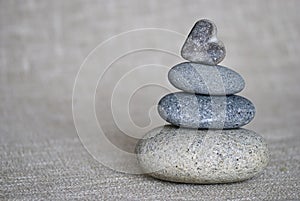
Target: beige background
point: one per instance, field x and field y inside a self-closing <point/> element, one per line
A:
<point x="42" y="45"/>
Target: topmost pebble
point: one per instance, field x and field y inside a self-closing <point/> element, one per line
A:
<point x="202" y="45"/>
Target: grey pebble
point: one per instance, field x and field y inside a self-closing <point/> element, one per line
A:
<point x="202" y="156"/>
<point x="204" y="79"/>
<point x="202" y="45"/>
<point x="201" y="111"/>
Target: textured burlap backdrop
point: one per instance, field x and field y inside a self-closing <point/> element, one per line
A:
<point x="43" y="43"/>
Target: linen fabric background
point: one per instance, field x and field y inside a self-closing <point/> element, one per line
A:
<point x="42" y="45"/>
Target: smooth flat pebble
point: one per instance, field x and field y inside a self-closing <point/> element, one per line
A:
<point x="204" y="79"/>
<point x="201" y="111"/>
<point x="202" y="44"/>
<point x="201" y="156"/>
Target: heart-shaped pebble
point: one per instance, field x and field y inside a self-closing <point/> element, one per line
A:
<point x="202" y="45"/>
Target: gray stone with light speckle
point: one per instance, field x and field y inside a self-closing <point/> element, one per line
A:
<point x="204" y="79"/>
<point x="200" y="111"/>
<point x="202" y="45"/>
<point x="202" y="156"/>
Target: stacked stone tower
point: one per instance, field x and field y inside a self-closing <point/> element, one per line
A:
<point x="204" y="143"/>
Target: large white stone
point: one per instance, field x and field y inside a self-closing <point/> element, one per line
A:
<point x="202" y="156"/>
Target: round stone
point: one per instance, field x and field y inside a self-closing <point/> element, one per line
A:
<point x="202" y="156"/>
<point x="200" y="111"/>
<point x="204" y="79"/>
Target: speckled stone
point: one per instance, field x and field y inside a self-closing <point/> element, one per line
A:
<point x="200" y="111"/>
<point x="204" y="79"/>
<point x="202" y="156"/>
<point x="202" y="45"/>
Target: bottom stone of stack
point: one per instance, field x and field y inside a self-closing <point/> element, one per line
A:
<point x="202" y="156"/>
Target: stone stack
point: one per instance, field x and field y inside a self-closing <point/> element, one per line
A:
<point x="205" y="143"/>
